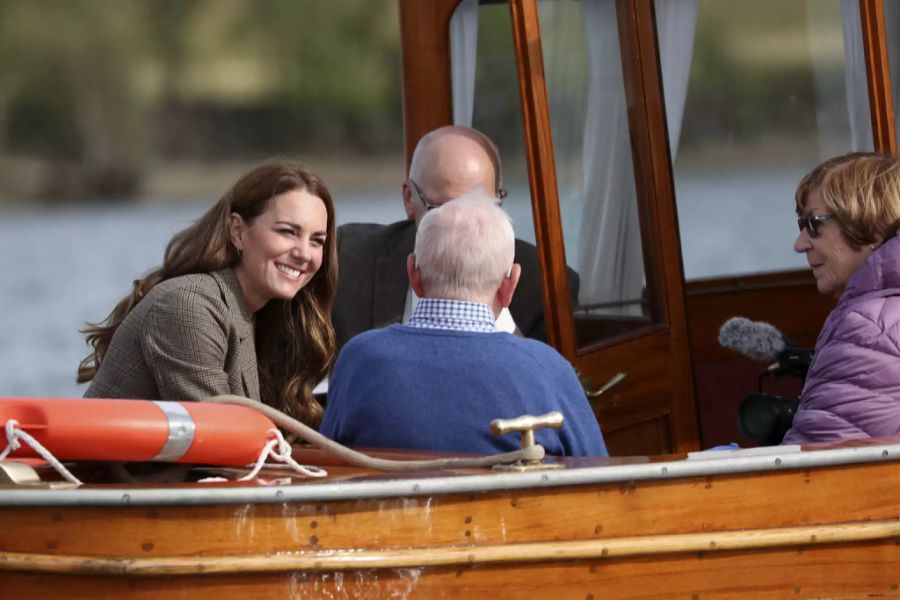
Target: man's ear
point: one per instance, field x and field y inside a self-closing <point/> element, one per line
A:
<point x="236" y="227"/>
<point x="408" y="201"/>
<point x="508" y="285"/>
<point x="415" y="276"/>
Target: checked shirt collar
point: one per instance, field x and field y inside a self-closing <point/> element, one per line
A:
<point x="455" y="315"/>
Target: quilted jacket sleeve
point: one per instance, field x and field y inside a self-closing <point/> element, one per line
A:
<point x="853" y="387"/>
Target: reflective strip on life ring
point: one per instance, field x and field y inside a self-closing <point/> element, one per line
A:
<point x="139" y="430"/>
<point x="181" y="431"/>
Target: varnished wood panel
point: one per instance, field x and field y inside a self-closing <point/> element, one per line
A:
<point x="656" y="203"/>
<point x="788" y="300"/>
<point x="721" y="387"/>
<point x="728" y="503"/>
<point x="644" y="436"/>
<point x="878" y="75"/>
<point x="840" y="571"/>
<point x="716" y="503"/>
<point x="427" y="93"/>
<point x="542" y="173"/>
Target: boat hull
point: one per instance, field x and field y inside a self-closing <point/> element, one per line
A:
<point x="825" y="531"/>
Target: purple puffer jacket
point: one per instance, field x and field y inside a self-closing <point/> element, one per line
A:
<point x="853" y="386"/>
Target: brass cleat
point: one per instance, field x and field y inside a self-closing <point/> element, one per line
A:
<point x="527" y="424"/>
<point x="13" y="474"/>
<point x="16" y="473"/>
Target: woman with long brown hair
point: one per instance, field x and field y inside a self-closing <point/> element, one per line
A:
<point x="241" y="304"/>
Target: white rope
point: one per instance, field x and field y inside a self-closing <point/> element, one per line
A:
<point x="14" y="434"/>
<point x="279" y="450"/>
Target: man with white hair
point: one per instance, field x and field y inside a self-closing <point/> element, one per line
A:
<point x="437" y="382"/>
<point x="373" y="288"/>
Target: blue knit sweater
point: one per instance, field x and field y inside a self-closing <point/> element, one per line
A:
<point x="429" y="389"/>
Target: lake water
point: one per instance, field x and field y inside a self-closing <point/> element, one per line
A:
<point x="64" y="267"/>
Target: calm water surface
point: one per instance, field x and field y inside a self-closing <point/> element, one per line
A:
<point x="64" y="267"/>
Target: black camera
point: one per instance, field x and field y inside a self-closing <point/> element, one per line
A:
<point x="765" y="418"/>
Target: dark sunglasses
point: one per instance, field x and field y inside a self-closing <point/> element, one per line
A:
<point x="501" y="194"/>
<point x="811" y="223"/>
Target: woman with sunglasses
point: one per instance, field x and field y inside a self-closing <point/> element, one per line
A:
<point x="849" y="213"/>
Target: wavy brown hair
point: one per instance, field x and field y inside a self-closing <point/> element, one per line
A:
<point x="295" y="343"/>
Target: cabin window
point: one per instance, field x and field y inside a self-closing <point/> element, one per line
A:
<point x="595" y="174"/>
<point x="486" y="96"/>
<point x="756" y="94"/>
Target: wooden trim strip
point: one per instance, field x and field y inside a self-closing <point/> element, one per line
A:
<point x="425" y="45"/>
<point x="542" y="175"/>
<point x="330" y="560"/>
<point x="881" y="104"/>
<point x="739" y="286"/>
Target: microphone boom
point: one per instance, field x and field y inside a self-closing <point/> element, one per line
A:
<point x="755" y="339"/>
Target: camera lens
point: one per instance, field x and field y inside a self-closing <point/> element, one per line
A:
<point x="766" y="418"/>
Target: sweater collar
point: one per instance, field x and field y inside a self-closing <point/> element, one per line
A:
<point x="456" y="315"/>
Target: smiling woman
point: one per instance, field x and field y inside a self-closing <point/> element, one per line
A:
<point x="241" y="304"/>
<point x="281" y="250"/>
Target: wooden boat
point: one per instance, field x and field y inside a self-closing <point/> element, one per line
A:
<point x="811" y="524"/>
<point x="822" y="522"/>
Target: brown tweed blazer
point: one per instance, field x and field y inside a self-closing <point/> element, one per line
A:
<point x="189" y="338"/>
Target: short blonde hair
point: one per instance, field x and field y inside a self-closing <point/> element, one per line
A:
<point x="864" y="195"/>
<point x="814" y="178"/>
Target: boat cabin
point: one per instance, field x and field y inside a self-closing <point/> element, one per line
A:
<point x="653" y="147"/>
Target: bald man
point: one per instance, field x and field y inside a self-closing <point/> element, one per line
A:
<point x="373" y="287"/>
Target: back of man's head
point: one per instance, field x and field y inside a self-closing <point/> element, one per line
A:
<point x="465" y="248"/>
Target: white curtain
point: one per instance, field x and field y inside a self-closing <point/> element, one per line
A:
<point x="842" y="96"/>
<point x="676" y="22"/>
<point x="610" y="258"/>
<point x="608" y="253"/>
<point x="463" y="50"/>
<point x="855" y="77"/>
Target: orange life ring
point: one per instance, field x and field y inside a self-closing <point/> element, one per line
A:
<point x="139" y="430"/>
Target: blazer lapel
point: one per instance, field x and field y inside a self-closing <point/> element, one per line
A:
<point x="249" y="371"/>
<point x="391" y="284"/>
<point x="242" y="324"/>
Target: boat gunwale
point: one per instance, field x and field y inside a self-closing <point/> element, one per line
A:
<point x="211" y="494"/>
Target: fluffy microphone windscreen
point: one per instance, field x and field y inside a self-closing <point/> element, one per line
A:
<point x="755" y="339"/>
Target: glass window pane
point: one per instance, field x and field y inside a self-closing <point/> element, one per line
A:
<point x="594" y="168"/>
<point x="497" y="112"/>
<point x="767" y="90"/>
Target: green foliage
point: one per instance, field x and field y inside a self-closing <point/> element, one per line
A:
<point x="731" y="98"/>
<point x="762" y="72"/>
<point x="339" y="66"/>
<point x="107" y="85"/>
